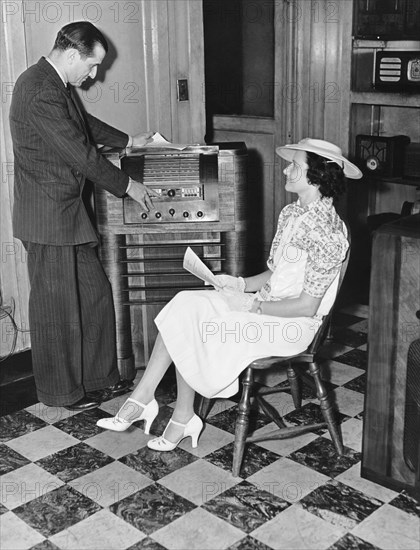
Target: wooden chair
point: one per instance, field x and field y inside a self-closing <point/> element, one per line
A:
<point x="299" y="367"/>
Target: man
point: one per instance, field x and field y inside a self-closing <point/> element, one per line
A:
<point x="71" y="311"/>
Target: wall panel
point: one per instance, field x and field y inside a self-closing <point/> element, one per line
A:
<point x="319" y="82"/>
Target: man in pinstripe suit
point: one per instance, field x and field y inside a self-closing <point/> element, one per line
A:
<point x="71" y="311"/>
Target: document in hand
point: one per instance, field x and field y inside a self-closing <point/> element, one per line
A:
<point x="194" y="265"/>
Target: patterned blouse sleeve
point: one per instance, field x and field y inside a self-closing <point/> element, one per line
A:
<point x="325" y="256"/>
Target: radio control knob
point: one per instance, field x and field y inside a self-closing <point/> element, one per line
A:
<point x="171" y="192"/>
<point x="171" y="211"/>
<point x="200" y="214"/>
<point x="186" y="214"/>
<point x="158" y="215"/>
<point x="144" y="215"/>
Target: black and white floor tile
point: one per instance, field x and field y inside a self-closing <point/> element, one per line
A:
<point x="67" y="484"/>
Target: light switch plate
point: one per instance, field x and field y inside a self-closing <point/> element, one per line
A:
<point x="182" y="89"/>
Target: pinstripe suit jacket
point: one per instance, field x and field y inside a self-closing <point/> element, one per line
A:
<point x="54" y="153"/>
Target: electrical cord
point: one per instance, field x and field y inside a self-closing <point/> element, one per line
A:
<point x="5" y="313"/>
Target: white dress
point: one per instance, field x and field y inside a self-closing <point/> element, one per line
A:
<point x="211" y="345"/>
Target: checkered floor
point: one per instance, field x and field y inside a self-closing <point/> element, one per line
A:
<point x="68" y="484"/>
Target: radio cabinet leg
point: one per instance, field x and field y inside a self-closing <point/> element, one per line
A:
<point x="113" y="257"/>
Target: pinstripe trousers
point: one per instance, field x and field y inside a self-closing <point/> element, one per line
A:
<point x="72" y="323"/>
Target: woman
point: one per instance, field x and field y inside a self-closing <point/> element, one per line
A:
<point x="211" y="337"/>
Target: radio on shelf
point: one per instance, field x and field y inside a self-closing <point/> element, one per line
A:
<point x="387" y="19"/>
<point x="381" y="155"/>
<point x="397" y="71"/>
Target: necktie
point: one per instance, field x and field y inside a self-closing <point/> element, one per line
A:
<point x="76" y="106"/>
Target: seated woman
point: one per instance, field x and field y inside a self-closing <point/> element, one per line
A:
<point x="211" y="336"/>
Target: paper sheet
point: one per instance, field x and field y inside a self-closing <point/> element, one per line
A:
<point x="194" y="265"/>
<point x="158" y="141"/>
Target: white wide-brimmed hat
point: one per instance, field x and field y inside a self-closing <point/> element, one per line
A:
<point x="324" y="149"/>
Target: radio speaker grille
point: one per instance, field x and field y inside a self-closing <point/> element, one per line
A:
<point x="175" y="169"/>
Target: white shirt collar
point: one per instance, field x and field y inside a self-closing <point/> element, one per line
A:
<point x="57" y="69"/>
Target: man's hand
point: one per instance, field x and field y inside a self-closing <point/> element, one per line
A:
<point x="140" y="140"/>
<point x="142" y="194"/>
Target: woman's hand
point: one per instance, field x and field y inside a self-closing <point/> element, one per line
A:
<point x="228" y="282"/>
<point x="256" y="282"/>
<point x="238" y="301"/>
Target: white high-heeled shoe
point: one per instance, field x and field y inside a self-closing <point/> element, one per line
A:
<point x="191" y="429"/>
<point x="117" y="424"/>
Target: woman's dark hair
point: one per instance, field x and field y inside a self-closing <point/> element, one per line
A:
<point x="81" y="35"/>
<point x="328" y="175"/>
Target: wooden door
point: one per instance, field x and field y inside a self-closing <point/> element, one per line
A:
<point x="241" y="76"/>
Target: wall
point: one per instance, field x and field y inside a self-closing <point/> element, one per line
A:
<point x="13" y="273"/>
<point x="152" y="44"/>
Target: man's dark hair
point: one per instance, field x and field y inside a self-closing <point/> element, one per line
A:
<point x="81" y="35"/>
<point x="328" y="175"/>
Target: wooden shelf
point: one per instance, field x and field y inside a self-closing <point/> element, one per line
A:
<point x="397" y="180"/>
<point x="378" y="44"/>
<point x="379" y="111"/>
<point x="384" y="98"/>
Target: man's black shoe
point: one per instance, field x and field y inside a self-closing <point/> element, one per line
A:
<point x="121" y="387"/>
<point x="84" y="404"/>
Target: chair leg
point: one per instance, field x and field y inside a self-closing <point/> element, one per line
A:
<point x="204" y="405"/>
<point x="242" y="421"/>
<point x="329" y="335"/>
<point x="294" y="386"/>
<point x="326" y="409"/>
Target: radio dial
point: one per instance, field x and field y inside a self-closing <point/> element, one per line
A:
<point x="186" y="214"/>
<point x="144" y="215"/>
<point x="372" y="163"/>
<point x="171" y="193"/>
<point x="200" y="214"/>
<point x="158" y="215"/>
